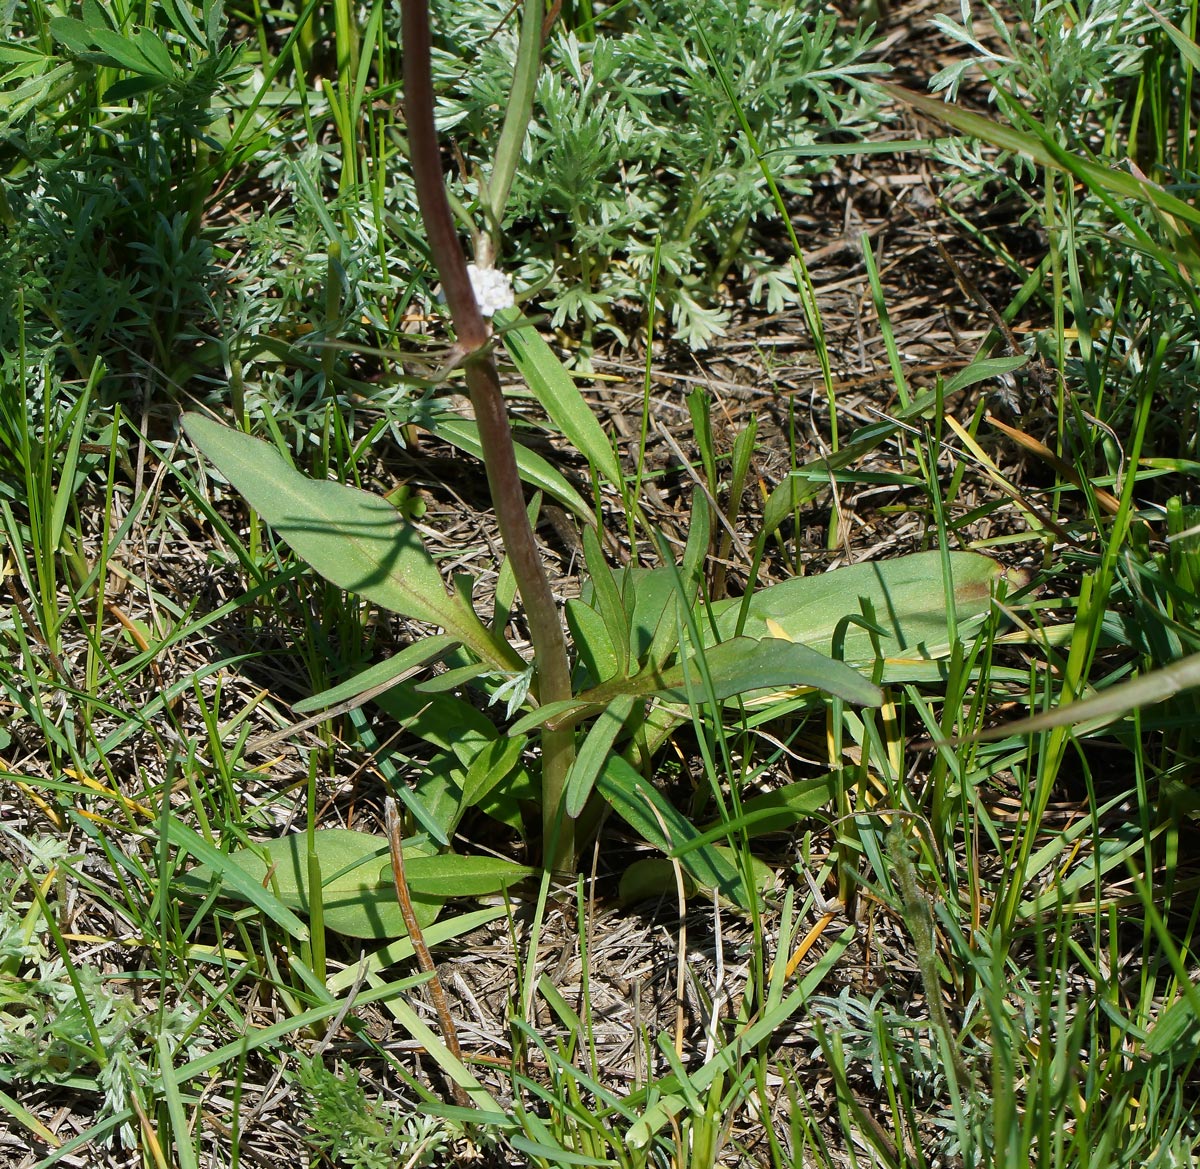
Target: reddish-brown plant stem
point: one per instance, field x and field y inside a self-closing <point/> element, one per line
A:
<point x="473" y="335"/>
<point x="424" y="957"/>
<point x="472" y="330"/>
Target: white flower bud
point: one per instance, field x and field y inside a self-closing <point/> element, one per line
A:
<point x="493" y="290"/>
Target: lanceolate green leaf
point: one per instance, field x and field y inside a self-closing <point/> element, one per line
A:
<point x="464" y="434"/>
<point x="358" y="892"/>
<point x="983" y="369"/>
<point x="357" y="896"/>
<point x="606" y="599"/>
<point x="659" y="823"/>
<point x="593" y="644"/>
<point x="1187" y="47"/>
<point x="494" y="762"/>
<point x="235" y="880"/>
<point x="449" y="875"/>
<point x="653" y="597"/>
<point x="907" y="596"/>
<point x="519" y="111"/>
<point x="779" y="810"/>
<point x="381" y="674"/>
<point x="597" y="747"/>
<point x="742" y="665"/>
<point x="356" y="540"/>
<point x="558" y="394"/>
<point x="649" y="596"/>
<point x="654" y="876"/>
<point x="685" y="580"/>
<point x="445" y="720"/>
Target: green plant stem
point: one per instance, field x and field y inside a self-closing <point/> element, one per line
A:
<point x="516" y="118"/>
<point x="483" y="381"/>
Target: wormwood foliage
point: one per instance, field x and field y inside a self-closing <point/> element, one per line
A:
<point x="635" y="142"/>
<point x="110" y="143"/>
<point x="66" y="1024"/>
<point x="1107" y="90"/>
<point x="361" y="1132"/>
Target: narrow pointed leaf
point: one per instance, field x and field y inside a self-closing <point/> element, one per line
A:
<point x="492" y="766"/>
<point x="685" y="580"/>
<point x="420" y="653"/>
<point x="592" y="641"/>
<point x="151" y="47"/>
<point x="558" y="394"/>
<point x="536" y="471"/>
<point x="779" y="810"/>
<point x="444" y="720"/>
<point x="597" y="746"/>
<point x="659" y="823"/>
<point x="649" y="595"/>
<point x="1188" y="49"/>
<point x="71" y="33"/>
<point x="606" y="598"/>
<point x="984" y="369"/>
<point x="449" y="875"/>
<point x="743" y="665"/>
<point x="123" y="50"/>
<point x="565" y="713"/>
<point x="654" y="876"/>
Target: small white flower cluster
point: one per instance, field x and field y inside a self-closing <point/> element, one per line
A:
<point x="493" y="290"/>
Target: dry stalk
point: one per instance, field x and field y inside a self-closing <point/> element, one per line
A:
<point x="424" y="958"/>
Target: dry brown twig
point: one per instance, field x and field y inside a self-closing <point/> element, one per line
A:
<point x="424" y="958"/>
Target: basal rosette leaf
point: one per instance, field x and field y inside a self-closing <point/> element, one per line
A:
<point x="355" y="540"/>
